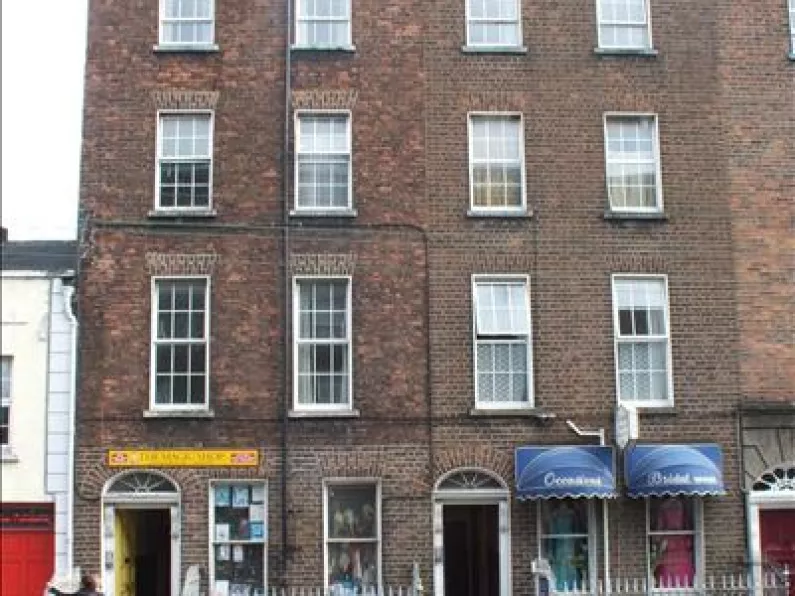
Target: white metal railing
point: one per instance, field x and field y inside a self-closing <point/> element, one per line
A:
<point x="768" y="583"/>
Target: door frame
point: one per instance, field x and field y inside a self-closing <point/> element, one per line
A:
<point x="111" y="502"/>
<point x="472" y="496"/>
<point x="758" y="501"/>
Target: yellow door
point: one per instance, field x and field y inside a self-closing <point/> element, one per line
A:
<point x="124" y="557"/>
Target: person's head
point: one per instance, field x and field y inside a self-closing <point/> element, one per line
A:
<point x="87" y="582"/>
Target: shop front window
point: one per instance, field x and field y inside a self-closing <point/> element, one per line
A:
<point x="353" y="538"/>
<point x="238" y="517"/>
<point x="673" y="530"/>
<point x="565" y="541"/>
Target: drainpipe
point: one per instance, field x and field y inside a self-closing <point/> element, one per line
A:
<point x="287" y="319"/>
<point x="600" y="434"/>
<point x="68" y="292"/>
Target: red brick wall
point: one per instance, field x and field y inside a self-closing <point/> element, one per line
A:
<point x="409" y="88"/>
<point x="757" y="97"/>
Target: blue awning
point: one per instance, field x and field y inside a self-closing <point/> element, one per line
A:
<point x="565" y="471"/>
<point x="659" y="470"/>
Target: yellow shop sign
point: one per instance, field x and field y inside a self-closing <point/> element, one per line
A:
<point x="176" y="458"/>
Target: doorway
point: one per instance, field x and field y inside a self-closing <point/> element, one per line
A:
<point x="142" y="564"/>
<point x="471" y="550"/>
<point x="471" y="535"/>
<point x="777" y="540"/>
<point x="141" y="535"/>
<point x="771" y="526"/>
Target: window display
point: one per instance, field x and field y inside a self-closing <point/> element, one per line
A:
<point x="565" y="541"/>
<point x="672" y="541"/>
<point x="239" y="536"/>
<point x="352" y="538"/>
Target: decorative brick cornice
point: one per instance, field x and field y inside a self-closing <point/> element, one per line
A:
<point x="158" y="263"/>
<point x="324" y="99"/>
<point x="183" y="99"/>
<point x="362" y="463"/>
<point x="322" y="264"/>
<point x="473" y="457"/>
<point x="495" y="101"/>
<point x="637" y="263"/>
<point x="490" y="263"/>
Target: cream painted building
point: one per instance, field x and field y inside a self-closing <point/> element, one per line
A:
<point x="37" y="346"/>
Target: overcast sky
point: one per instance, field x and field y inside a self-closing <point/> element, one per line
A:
<point x="43" y="55"/>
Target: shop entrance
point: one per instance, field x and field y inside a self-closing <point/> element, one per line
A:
<point x="771" y="526"/>
<point x="471" y="535"/>
<point x="777" y="539"/>
<point x="143" y="557"/>
<point x="471" y="550"/>
<point x="141" y="538"/>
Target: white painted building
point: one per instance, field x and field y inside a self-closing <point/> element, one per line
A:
<point x="37" y="415"/>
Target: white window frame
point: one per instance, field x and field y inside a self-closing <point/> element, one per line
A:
<point x="7" y="401"/>
<point x="791" y="15"/>
<point x="349" y="134"/>
<point x="353" y="482"/>
<point x="640" y="277"/>
<point x="470" y="20"/>
<point x="212" y="542"/>
<point x="503" y="278"/>
<point x="609" y="116"/>
<point x="593" y="544"/>
<point x="600" y="23"/>
<point x="698" y="544"/>
<point x="471" y="116"/>
<point x="153" y="405"/>
<point x="159" y="158"/>
<point x="303" y="43"/>
<point x="161" y="19"/>
<point x="315" y="407"/>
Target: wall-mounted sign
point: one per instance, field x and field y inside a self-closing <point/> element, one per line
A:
<point x="183" y="458"/>
<point x="27" y="516"/>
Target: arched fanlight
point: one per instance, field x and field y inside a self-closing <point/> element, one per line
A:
<point x="470" y="480"/>
<point x="777" y="478"/>
<point x="142" y="483"/>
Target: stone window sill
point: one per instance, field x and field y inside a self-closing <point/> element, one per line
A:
<point x="638" y="52"/>
<point x="506" y="214"/>
<point x="179" y="414"/>
<point x="657" y="410"/>
<point x="537" y="413"/>
<point x="323" y="213"/>
<point x="8" y="457"/>
<point x="632" y="216"/>
<point x="348" y="49"/>
<point x="510" y="50"/>
<point x="303" y="414"/>
<point x="186" y="48"/>
<point x="186" y="213"/>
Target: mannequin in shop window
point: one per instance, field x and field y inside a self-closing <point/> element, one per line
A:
<point x="674" y="562"/>
<point x="563" y="549"/>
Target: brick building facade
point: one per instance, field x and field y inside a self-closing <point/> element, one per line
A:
<point x="342" y="284"/>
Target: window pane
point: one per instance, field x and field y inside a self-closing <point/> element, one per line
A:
<point x="5" y="378"/>
<point x="672" y="513"/>
<point x="564" y="526"/>
<point x="180" y="358"/>
<point x="501" y="308"/>
<point x="197" y="358"/>
<point x="197" y="389"/>
<point x="180" y="389"/>
<point x="163" y="389"/>
<point x="352" y="564"/>
<point x="496" y="161"/>
<point x="631" y="162"/>
<point x="352" y="512"/>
